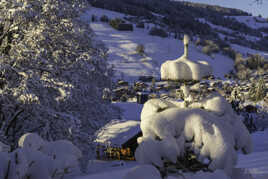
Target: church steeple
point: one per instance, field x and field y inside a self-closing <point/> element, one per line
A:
<point x="186" y="40"/>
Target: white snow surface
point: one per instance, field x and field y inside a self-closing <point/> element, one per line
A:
<point x="185" y="69"/>
<point x="40" y="159"/>
<point x="32" y="141"/>
<point x="143" y="172"/>
<point x="129" y="65"/>
<point x="251" y="21"/>
<point x="117" y="132"/>
<point x="217" y="27"/>
<point x="214" y="130"/>
<point x="219" y="174"/>
<point x="4" y="147"/>
<point x="245" y="51"/>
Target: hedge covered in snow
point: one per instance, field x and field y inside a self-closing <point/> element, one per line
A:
<point x="209" y="128"/>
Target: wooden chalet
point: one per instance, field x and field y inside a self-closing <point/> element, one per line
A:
<point x="117" y="140"/>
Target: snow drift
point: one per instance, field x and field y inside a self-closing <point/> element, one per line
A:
<point x="40" y="159"/>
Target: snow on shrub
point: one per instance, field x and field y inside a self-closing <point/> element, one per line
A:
<point x="140" y="49"/>
<point x="39" y="159"/>
<point x="209" y="128"/>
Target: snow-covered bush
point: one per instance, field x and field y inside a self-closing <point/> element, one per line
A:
<point x="39" y="159"/>
<point x="115" y="22"/>
<point x="140" y="49"/>
<point x="210" y="47"/>
<point x="209" y="128"/>
<point x="52" y="72"/>
<point x="255" y="61"/>
<point x="258" y="91"/>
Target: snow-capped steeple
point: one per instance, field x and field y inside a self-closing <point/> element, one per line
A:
<point x="186" y="40"/>
<point x="184" y="68"/>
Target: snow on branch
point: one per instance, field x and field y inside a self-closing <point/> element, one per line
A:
<point x="209" y="128"/>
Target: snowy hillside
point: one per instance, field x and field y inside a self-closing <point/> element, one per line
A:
<point x="253" y="22"/>
<point x="129" y="65"/>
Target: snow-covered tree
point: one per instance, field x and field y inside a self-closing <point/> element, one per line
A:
<point x="52" y="72"/>
<point x="208" y="128"/>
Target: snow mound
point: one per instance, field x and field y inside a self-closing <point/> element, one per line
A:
<point x="211" y="130"/>
<point x="40" y="159"/>
<point x="185" y="69"/>
<point x="143" y="172"/>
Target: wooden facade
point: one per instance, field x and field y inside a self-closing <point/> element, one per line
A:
<point x="124" y="152"/>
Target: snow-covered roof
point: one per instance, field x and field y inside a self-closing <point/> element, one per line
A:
<point x="117" y="132"/>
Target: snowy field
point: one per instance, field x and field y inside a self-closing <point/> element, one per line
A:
<point x="129" y="65"/>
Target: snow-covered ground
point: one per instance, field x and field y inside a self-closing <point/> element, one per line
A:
<point x="253" y="22"/>
<point x="129" y="65"/>
<point x="217" y="27"/>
